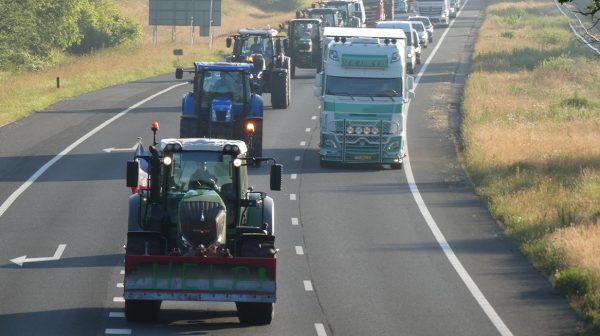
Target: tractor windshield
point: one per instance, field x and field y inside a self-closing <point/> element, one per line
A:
<point x="189" y="167"/>
<point x="257" y="44"/>
<point x="222" y="84"/>
<point x="305" y="30"/>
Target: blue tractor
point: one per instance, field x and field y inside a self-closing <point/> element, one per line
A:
<point x="222" y="105"/>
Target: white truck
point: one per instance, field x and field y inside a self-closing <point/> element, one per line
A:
<point x="438" y="11"/>
<point x="365" y="89"/>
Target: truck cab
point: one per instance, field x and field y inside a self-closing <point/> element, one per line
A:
<point x="364" y="89"/>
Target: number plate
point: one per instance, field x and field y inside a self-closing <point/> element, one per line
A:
<point x="363" y="157"/>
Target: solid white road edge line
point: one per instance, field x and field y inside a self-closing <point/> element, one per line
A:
<point x="13" y="197"/>
<point x="441" y="240"/>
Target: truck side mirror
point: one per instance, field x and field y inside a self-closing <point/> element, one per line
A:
<point x="275" y="176"/>
<point x="286" y="44"/>
<point x="228" y="42"/>
<point x="179" y="73"/>
<point x="133" y="170"/>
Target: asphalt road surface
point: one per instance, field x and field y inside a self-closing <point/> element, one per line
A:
<point x="362" y="250"/>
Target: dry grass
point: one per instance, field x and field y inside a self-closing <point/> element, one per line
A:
<point x="532" y="140"/>
<point x="110" y="67"/>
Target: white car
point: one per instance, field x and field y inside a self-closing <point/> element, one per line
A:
<point x="427" y="23"/>
<point x="423" y="35"/>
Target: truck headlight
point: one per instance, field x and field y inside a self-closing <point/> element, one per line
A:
<point x="367" y="130"/>
<point x="358" y="130"/>
<point x="374" y="130"/>
<point x="330" y="143"/>
<point x="349" y="130"/>
<point x="393" y="145"/>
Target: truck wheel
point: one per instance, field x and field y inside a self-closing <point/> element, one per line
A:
<point x="255" y="313"/>
<point x="396" y="165"/>
<point x="142" y="310"/>
<point x="279" y="90"/>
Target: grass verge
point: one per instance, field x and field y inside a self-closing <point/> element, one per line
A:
<point x="532" y="143"/>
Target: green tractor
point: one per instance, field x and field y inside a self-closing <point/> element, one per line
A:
<point x="305" y="40"/>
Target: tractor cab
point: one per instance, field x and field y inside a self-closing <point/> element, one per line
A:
<point x="305" y="40"/>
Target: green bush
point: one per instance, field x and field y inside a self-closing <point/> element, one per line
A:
<point x="574" y="282"/>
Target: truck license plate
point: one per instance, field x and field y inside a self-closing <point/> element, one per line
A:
<point x="362" y="157"/>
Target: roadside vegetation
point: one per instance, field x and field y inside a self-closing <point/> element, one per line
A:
<point x="531" y="133"/>
<point x="27" y="89"/>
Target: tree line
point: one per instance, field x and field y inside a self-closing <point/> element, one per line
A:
<point x="35" y="33"/>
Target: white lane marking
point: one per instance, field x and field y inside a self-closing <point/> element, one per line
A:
<point x="299" y="250"/>
<point x="314" y="117"/>
<point x="292" y="197"/>
<point x="113" y="149"/>
<point x="122" y="272"/>
<point x="320" y="329"/>
<point x="23" y="259"/>
<point x="116" y="314"/>
<point x="294" y="221"/>
<point x="294" y="176"/>
<point x="307" y="130"/>
<point x="118" y="299"/>
<point x="13" y="197"/>
<point x="302" y="143"/>
<point x="308" y="286"/>
<point x="111" y="331"/>
<point x="297" y="158"/>
<point x="119" y="285"/>
<point x="441" y="240"/>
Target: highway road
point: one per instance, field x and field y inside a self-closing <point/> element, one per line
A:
<point x="362" y="250"/>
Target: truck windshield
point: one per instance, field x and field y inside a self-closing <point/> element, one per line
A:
<point x="188" y="167"/>
<point x="363" y="87"/>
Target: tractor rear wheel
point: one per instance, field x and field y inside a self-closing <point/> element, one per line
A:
<point x="142" y="310"/>
<point x="279" y="90"/>
<point x="255" y="313"/>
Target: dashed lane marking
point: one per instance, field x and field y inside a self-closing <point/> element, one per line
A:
<point x="294" y="221"/>
<point x="116" y="314"/>
<point x="292" y="197"/>
<point x="294" y="176"/>
<point x="308" y="286"/>
<point x="111" y="331"/>
<point x="299" y="250"/>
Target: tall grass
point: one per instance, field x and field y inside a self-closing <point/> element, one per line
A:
<point x="25" y="93"/>
<point x="532" y="143"/>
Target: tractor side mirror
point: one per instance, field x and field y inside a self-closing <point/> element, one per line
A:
<point x="179" y="73"/>
<point x="133" y="169"/>
<point x="228" y="42"/>
<point x="275" y="176"/>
